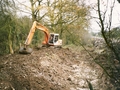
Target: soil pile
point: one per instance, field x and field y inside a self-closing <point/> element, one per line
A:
<point x="51" y="69"/>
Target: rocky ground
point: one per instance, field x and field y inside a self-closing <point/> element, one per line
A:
<point x="52" y="69"/>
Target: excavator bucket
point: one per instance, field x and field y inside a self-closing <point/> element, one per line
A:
<point x="24" y="50"/>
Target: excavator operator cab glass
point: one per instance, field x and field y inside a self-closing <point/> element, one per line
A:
<point x="56" y="38"/>
<point x="53" y="38"/>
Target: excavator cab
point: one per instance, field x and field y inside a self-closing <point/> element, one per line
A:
<point x="54" y="40"/>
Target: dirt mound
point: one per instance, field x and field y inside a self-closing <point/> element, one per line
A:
<point x="51" y="69"/>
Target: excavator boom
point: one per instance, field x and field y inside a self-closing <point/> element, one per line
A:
<point x="35" y="26"/>
<point x="25" y="49"/>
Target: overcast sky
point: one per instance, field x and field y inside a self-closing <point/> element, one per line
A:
<point x="115" y="16"/>
<point x="95" y="27"/>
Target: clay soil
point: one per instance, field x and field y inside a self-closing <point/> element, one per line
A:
<point x="51" y="69"/>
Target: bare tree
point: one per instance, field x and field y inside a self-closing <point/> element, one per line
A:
<point x="106" y="27"/>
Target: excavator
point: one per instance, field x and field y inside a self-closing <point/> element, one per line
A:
<point x="50" y="39"/>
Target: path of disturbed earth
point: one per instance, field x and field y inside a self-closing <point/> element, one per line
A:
<point x="51" y="69"/>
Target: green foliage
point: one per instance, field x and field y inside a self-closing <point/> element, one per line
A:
<point x="11" y="28"/>
<point x="113" y="36"/>
<point x="7" y="33"/>
<point x="106" y="31"/>
<point x="112" y="50"/>
<point x="115" y="33"/>
<point x="115" y="39"/>
<point x="5" y="27"/>
<point x="66" y="17"/>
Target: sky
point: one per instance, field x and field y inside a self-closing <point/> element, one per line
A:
<point x="94" y="25"/>
<point x="115" y="16"/>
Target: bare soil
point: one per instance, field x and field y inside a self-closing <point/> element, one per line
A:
<point x="51" y="69"/>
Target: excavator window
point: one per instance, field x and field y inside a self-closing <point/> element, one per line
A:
<point x="56" y="38"/>
<point x="51" y="38"/>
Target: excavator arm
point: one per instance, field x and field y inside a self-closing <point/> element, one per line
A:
<point x="35" y="26"/>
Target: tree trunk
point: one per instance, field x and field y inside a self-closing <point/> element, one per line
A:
<point x="10" y="43"/>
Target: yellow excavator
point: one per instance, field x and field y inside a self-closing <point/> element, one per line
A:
<point x="51" y="39"/>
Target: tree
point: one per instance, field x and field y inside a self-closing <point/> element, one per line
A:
<point x="59" y="16"/>
<point x="66" y="17"/>
<point x="112" y="51"/>
<point x="6" y="7"/>
<point x="106" y="28"/>
<point x="115" y="38"/>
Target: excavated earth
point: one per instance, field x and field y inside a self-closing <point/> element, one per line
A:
<point x="52" y="69"/>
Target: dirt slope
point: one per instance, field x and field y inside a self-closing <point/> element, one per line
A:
<point x="51" y="69"/>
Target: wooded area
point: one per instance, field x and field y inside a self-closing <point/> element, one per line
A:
<point x="69" y="18"/>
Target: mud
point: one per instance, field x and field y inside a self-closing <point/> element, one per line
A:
<point x="51" y="69"/>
